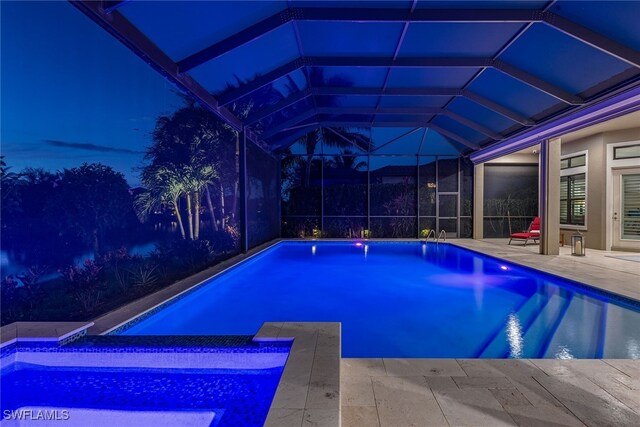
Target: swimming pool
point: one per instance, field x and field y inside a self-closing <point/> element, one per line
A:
<point x="145" y="381"/>
<point x="407" y="299"/>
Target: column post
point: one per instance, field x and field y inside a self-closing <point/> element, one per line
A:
<point x="549" y="196"/>
<point x="478" y="201"/>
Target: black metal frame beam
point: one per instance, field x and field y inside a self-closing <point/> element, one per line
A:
<point x="388" y="111"/>
<point x="260" y="81"/>
<point x="413" y="111"/>
<point x="410" y="62"/>
<point x="344" y="138"/>
<point x="389" y="91"/>
<point x="453" y="136"/>
<point x="124" y="31"/>
<point x="111" y="5"/>
<point x="337" y="122"/>
<point x="288" y="123"/>
<point x="537" y="83"/>
<point x="529" y="16"/>
<point x="424" y="111"/>
<point x="278" y="106"/>
<point x="497" y="108"/>
<point x="424" y="124"/>
<point x="290" y="139"/>
<point x="400" y="91"/>
<point x="357" y="15"/>
<point x="473" y="125"/>
<point x="592" y="38"/>
<point x="392" y="140"/>
<point x="490" y="105"/>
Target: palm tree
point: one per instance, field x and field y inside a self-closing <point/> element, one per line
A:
<point x="342" y="138"/>
<point x="181" y="165"/>
<point x="348" y="160"/>
<point x="164" y="185"/>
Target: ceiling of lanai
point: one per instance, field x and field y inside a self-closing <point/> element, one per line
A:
<point x="471" y="72"/>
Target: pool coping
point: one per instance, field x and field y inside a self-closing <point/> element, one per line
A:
<point x="309" y="389"/>
<point x="52" y="332"/>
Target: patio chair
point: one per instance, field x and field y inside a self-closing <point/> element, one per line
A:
<point x="533" y="233"/>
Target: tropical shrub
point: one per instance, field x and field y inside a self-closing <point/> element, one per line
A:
<point x="85" y="283"/>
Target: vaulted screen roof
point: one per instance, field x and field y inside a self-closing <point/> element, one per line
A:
<point x="474" y="72"/>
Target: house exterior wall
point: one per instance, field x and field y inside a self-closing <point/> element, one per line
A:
<point x="596" y="147"/>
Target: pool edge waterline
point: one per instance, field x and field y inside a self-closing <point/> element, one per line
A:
<point x="132" y="319"/>
<point x="243" y="287"/>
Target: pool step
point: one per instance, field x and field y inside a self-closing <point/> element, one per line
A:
<point x="535" y="338"/>
<point x="580" y="333"/>
<point x="499" y="347"/>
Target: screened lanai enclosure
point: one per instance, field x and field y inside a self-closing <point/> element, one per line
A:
<point x="212" y="127"/>
<point x="373" y="107"/>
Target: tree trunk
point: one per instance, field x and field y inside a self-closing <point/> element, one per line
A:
<point x="179" y="217"/>
<point x="307" y="172"/>
<point x="211" y="211"/>
<point x="196" y="199"/>
<point x="223" y="220"/>
<point x="190" y="216"/>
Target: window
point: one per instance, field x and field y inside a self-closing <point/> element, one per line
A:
<point x="573" y="162"/>
<point x="573" y="199"/>
<point x="573" y="190"/>
<point x="626" y="152"/>
<point x="631" y="207"/>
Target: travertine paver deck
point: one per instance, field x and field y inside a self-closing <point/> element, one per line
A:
<point x="309" y="390"/>
<point x="490" y="392"/>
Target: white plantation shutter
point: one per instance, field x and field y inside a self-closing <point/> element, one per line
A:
<point x="631" y="207"/>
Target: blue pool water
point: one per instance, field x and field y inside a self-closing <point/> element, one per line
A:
<point x="108" y="381"/>
<point x="234" y="399"/>
<point x="408" y="300"/>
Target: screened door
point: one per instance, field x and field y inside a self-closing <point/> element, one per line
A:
<point x="626" y="208"/>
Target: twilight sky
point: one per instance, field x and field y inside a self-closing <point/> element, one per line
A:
<point x="71" y="93"/>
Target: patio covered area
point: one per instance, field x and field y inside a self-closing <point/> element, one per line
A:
<point x="374" y="132"/>
<point x="176" y="140"/>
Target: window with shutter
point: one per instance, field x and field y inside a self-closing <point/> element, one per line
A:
<point x="631" y="207"/>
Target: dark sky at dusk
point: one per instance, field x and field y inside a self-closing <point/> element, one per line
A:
<point x="71" y="93"/>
